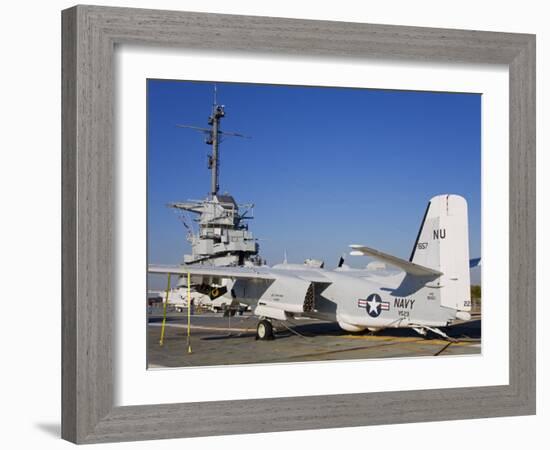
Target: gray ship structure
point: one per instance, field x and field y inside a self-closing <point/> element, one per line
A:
<point x="218" y="230"/>
<point x="223" y="237"/>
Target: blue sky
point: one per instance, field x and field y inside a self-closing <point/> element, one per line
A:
<point x="325" y="167"/>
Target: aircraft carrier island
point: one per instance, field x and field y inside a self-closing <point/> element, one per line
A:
<point x="223" y="305"/>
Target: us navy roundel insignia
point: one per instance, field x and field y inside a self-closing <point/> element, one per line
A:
<point x="374" y="305"/>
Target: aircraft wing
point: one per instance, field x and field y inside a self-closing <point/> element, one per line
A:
<point x="403" y="264"/>
<point x="294" y="288"/>
<point x="258" y="273"/>
<point x="222" y="272"/>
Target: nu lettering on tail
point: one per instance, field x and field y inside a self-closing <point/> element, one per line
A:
<point x="442" y="244"/>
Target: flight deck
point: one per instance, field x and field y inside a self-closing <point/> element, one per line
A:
<point x="218" y="340"/>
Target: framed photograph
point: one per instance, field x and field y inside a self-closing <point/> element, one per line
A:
<point x="354" y="245"/>
<point x="323" y="304"/>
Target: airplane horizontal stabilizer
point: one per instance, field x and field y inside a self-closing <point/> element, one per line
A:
<point x="403" y="264"/>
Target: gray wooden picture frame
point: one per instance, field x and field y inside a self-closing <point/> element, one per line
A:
<point x="90" y="34"/>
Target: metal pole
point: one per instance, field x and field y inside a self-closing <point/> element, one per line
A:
<point x="164" y="312"/>
<point x="189" y="312"/>
<point x="215" y="157"/>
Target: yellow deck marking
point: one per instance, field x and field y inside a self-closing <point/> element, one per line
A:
<point x="189" y="312"/>
<point x="161" y="342"/>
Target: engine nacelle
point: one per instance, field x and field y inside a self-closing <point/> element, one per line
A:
<point x="286" y="295"/>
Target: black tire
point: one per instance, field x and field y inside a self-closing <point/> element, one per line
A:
<point x="264" y="330"/>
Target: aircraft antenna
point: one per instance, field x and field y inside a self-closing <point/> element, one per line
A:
<point x="213" y="138"/>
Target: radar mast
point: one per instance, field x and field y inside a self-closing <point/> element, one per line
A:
<point x="223" y="238"/>
<point x="214" y="136"/>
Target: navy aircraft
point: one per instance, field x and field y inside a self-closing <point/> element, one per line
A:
<point x="428" y="291"/>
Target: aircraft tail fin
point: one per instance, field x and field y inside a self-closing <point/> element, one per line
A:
<point x="442" y="244"/>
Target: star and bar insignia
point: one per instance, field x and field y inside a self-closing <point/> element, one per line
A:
<point x="373" y="304"/>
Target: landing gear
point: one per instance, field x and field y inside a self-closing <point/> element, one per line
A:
<point x="423" y="331"/>
<point x="264" y="330"/>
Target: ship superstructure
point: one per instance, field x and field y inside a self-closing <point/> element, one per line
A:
<point x="223" y="237"/>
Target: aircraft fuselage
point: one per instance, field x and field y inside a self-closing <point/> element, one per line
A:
<point x="356" y="300"/>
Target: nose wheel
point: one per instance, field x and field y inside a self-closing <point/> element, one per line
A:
<point x="264" y="330"/>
